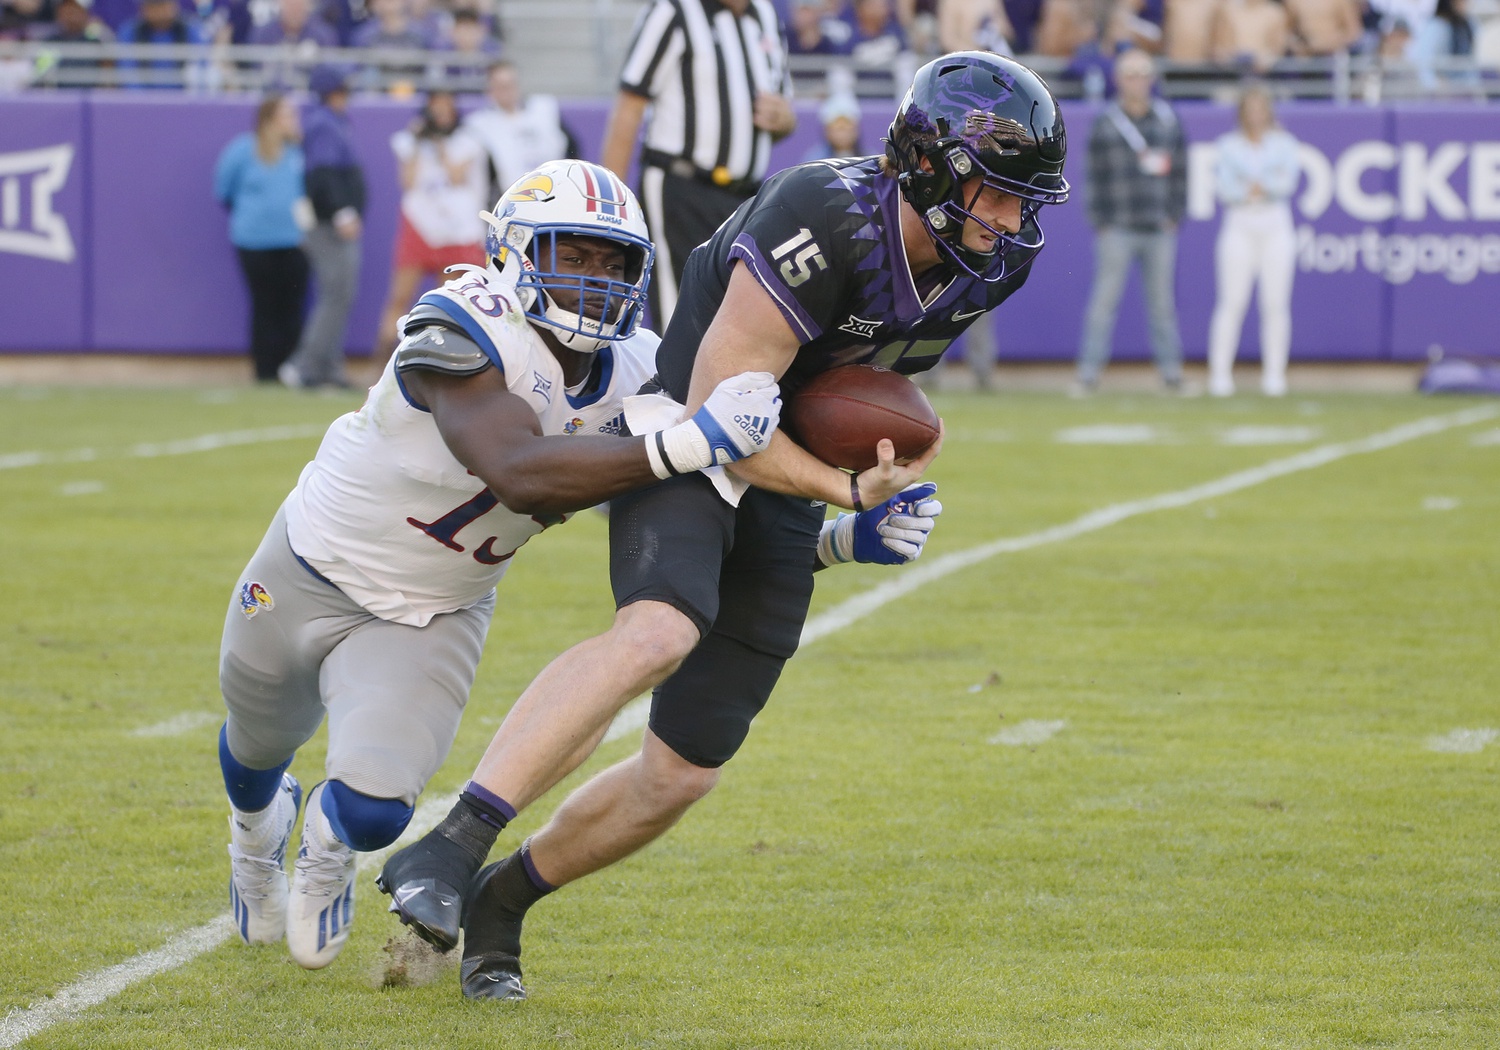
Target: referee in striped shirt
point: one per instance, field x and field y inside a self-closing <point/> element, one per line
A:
<point x="714" y="73"/>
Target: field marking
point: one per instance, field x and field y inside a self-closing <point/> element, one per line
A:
<point x="924" y="572"/>
<point x="156" y="449"/>
<point x="1441" y="503"/>
<point x="1268" y="435"/>
<point x="1488" y="437"/>
<point x="1463" y="741"/>
<point x="185" y="722"/>
<point x="1029" y="733"/>
<point x="1111" y="434"/>
<point x="100" y="985"/>
<point x="95" y="987"/>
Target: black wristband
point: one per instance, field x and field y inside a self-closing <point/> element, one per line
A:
<point x="854" y="493"/>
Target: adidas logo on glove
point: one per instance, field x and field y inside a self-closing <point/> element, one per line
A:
<point x="755" y="426"/>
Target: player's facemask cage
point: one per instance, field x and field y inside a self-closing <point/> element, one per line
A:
<point x="956" y="204"/>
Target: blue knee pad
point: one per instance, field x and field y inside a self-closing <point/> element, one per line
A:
<point x="361" y="822"/>
<point x="249" y="790"/>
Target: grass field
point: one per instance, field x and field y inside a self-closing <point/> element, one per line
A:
<point x="1209" y="775"/>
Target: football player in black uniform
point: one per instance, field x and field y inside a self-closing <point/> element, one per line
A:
<point x="882" y="260"/>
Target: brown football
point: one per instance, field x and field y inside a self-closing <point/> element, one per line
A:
<point x="839" y="416"/>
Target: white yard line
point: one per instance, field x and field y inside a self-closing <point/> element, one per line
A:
<point x="100" y="985"/>
<point x="1029" y="733"/>
<point x="1463" y="741"/>
<point x="94" y="988"/>
<point x="156" y="449"/>
<point x="925" y="572"/>
<point x="179" y="724"/>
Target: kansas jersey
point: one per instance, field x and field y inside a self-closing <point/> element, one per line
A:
<point x="386" y="512"/>
<point x="824" y="240"/>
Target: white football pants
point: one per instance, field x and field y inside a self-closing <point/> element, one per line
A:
<point x="1257" y="246"/>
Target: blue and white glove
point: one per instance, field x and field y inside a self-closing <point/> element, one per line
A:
<point x="736" y="421"/>
<point x="893" y="533"/>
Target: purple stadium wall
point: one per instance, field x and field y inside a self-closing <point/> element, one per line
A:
<point x="110" y="240"/>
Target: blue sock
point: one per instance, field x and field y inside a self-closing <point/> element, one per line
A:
<point x="363" y="822"/>
<point x="249" y="790"/>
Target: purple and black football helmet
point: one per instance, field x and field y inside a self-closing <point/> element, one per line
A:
<point x="971" y="114"/>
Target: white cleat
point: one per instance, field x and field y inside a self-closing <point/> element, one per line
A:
<point x="322" y="892"/>
<point x="257" y="855"/>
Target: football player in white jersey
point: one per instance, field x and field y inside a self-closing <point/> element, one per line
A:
<point x="368" y="600"/>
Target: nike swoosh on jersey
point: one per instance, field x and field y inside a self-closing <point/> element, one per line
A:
<point x="959" y="315"/>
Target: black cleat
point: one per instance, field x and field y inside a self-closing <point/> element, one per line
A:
<point x="424" y="881"/>
<point x="492" y="935"/>
<point x="492" y="975"/>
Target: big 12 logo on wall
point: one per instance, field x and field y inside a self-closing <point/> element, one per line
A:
<point x="28" y="181"/>
<point x="1416" y="209"/>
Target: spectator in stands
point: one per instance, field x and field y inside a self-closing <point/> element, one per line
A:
<point x="223" y="21"/>
<point x="919" y="18"/>
<point x="1253" y="34"/>
<point x="839" y="116"/>
<point x="1443" y="49"/>
<point x="471" y="48"/>
<point x="159" y="22"/>
<point x="1190" y="28"/>
<point x="1067" y="27"/>
<point x="443" y="188"/>
<point x="974" y="25"/>
<point x="344" y="15"/>
<point x="74" y="24"/>
<point x="1320" y="28"/>
<point x="387" y="25"/>
<point x="114" y="13"/>
<point x="1136" y="187"/>
<point x="878" y="38"/>
<point x="295" y="24"/>
<point x="1413" y="13"/>
<point x="1023" y="16"/>
<point x="518" y="132"/>
<point x="433" y="20"/>
<point x="1255" y="175"/>
<point x="1137" y="23"/>
<point x="25" y="19"/>
<point x="813" y="32"/>
<point x="391" y="28"/>
<point x="336" y="189"/>
<point x="259" y="179"/>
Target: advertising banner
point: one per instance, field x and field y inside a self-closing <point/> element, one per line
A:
<point x="110" y="239"/>
<point x="44" y="292"/>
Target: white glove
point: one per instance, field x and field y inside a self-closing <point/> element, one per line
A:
<point x="893" y="533"/>
<point x="736" y="421"/>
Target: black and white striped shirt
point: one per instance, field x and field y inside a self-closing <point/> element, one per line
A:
<point x="702" y="67"/>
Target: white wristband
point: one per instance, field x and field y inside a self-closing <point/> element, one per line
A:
<point x="678" y="450"/>
<point x="836" y="540"/>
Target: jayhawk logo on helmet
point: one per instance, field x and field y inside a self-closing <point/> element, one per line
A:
<point x="533" y="187"/>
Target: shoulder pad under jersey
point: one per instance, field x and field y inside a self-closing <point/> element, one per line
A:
<point x="433" y="342"/>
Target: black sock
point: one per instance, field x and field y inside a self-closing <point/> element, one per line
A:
<point x="495" y="916"/>
<point x="471" y="828"/>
